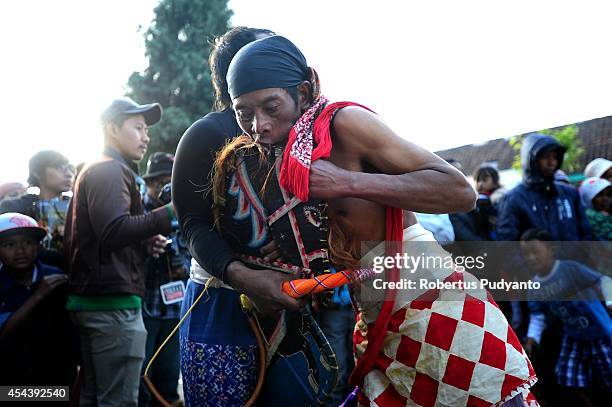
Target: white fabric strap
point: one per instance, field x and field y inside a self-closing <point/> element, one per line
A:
<point x="201" y="276"/>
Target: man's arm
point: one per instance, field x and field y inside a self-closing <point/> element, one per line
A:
<point x="109" y="201"/>
<point x="192" y="197"/>
<point x="409" y="177"/>
<point x="18" y="318"/>
<point x="193" y="165"/>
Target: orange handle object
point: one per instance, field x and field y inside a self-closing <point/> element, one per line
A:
<point x="305" y="286"/>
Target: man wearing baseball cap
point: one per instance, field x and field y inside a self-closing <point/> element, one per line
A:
<point x="107" y="232"/>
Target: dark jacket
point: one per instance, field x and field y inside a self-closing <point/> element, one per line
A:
<point x="44" y="350"/>
<point x="194" y="160"/>
<point x="541" y="203"/>
<point x="26" y="204"/>
<point x="105" y="229"/>
<point x="474" y="225"/>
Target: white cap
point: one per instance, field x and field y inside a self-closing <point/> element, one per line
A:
<point x="597" y="167"/>
<point x="589" y="189"/>
<point x="13" y="221"/>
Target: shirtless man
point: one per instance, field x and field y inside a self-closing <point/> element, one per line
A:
<point x="370" y="166"/>
<point x="343" y="153"/>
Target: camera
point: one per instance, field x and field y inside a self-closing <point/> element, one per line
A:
<point x="176" y="246"/>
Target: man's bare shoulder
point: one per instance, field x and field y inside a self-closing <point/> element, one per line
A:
<point x="361" y="131"/>
<point x="355" y="129"/>
<point x="352" y="118"/>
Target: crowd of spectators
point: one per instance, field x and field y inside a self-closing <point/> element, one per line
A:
<point x="93" y="266"/>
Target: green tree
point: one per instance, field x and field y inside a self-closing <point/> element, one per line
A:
<point x="567" y="136"/>
<point x="178" y="75"/>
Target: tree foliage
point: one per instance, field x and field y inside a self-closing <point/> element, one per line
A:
<point x="567" y="137"/>
<point x="178" y="76"/>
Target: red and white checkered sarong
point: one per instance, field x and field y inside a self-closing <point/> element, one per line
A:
<point x="440" y="352"/>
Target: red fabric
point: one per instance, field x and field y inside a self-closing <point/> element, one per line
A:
<point x="458" y="372"/>
<point x="394" y="235"/>
<point x="441" y="331"/>
<point x="473" y="311"/>
<point x="391" y="398"/>
<point x="493" y="351"/>
<point x="408" y="351"/>
<point x="484" y="364"/>
<point x="427" y="374"/>
<point x="429" y="390"/>
<point x="294" y="177"/>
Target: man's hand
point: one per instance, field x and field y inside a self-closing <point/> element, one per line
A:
<point x="328" y="181"/>
<point x="48" y="284"/>
<point x="270" y="251"/>
<point x="263" y="287"/>
<point x="45" y="287"/>
<point x="156" y="245"/>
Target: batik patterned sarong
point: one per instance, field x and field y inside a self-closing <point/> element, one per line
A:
<point x="218" y="375"/>
<point x="219" y="359"/>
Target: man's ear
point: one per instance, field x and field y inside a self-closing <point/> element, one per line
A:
<point x="40" y="176"/>
<point x="111" y="131"/>
<point x="304" y="95"/>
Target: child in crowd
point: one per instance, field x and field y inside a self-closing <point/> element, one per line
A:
<point x="12" y="190"/>
<point x="596" y="194"/>
<point x="52" y="173"/>
<point x="599" y="168"/>
<point x="490" y="192"/>
<point x="571" y="292"/>
<point x="38" y="344"/>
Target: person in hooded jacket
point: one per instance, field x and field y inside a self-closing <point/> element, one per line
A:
<point x="539" y="201"/>
<point x="542" y="203"/>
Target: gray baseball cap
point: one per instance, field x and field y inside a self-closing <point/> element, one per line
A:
<point x="125" y="106"/>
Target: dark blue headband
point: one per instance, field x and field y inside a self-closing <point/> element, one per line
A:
<point x="272" y="62"/>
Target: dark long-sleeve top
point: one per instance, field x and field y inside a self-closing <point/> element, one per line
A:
<point x="105" y="228"/>
<point x="191" y="173"/>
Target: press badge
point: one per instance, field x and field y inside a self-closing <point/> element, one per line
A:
<point x="172" y="292"/>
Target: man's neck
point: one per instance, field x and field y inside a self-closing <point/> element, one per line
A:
<point x="47" y="194"/>
<point x="113" y="151"/>
<point x="115" y="154"/>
